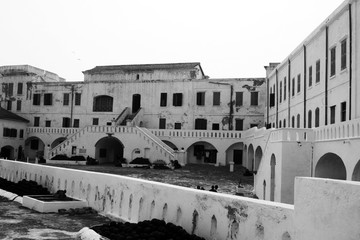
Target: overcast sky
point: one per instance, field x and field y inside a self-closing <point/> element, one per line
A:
<point x="230" y="38"/>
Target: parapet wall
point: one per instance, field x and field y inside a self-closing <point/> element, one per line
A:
<point x="207" y="214"/>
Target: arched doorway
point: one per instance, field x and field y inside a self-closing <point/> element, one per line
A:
<point x="136" y="102"/>
<point x="109" y="150"/>
<point x="356" y="172"/>
<point x="170" y="144"/>
<point x="57" y="142"/>
<point x="201" y="152"/>
<point x="272" y="177"/>
<point x="7" y="152"/>
<point x="250" y="164"/>
<point x="34" y="147"/>
<point x="234" y="153"/>
<point x="258" y="157"/>
<point x="330" y="166"/>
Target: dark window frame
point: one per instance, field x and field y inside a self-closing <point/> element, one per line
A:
<point x="20" y="88"/>
<point x="343" y="112"/>
<point x="163" y="99"/>
<point x="47" y="123"/>
<point x="18" y="105"/>
<point x="177" y="99"/>
<point x="254" y="98"/>
<point x="332" y="61"/>
<point x="216" y="98"/>
<point x="332" y="114"/>
<point x="298" y="83"/>
<point x="66" y="99"/>
<point x="48" y="99"/>
<point x="103" y="103"/>
<point x="343" y="54"/>
<point x="200" y="98"/>
<point x="239" y="99"/>
<point x="318" y="66"/>
<point x="162" y="123"/>
<point x="36" y="121"/>
<point x="77" y="99"/>
<point x="95" y="121"/>
<point x="310" y="76"/>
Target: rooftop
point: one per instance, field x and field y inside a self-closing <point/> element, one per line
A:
<point x="7" y="115"/>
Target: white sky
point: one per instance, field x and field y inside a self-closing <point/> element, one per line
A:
<point x="231" y="38"/>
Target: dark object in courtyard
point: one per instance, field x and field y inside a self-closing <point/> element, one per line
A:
<point x="60" y="194"/>
<point x="23" y="187"/>
<point x="154" y="229"/>
<point x="60" y="157"/>
<point x="160" y="164"/>
<point x="42" y="160"/>
<point x="91" y="161"/>
<point x="141" y="160"/>
<point x="247" y="173"/>
<point x="176" y="164"/>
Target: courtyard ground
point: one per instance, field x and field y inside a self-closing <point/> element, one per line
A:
<point x="191" y="175"/>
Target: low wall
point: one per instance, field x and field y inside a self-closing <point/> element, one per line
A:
<point x="207" y="214"/>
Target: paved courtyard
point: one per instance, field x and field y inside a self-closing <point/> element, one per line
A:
<point x="191" y="175"/>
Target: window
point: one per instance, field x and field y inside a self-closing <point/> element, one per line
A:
<point x="177" y="125"/>
<point x="343" y="54"/>
<point x="11" y="89"/>
<point x="284" y="88"/>
<point x="332" y="114"/>
<point x="6" y="132"/>
<point x="9" y="105"/>
<point x="103" y="104"/>
<point x="343" y="111"/>
<point x="34" y="144"/>
<point x="317" y="117"/>
<point x="298" y="83"/>
<point x="239" y="124"/>
<point x="200" y="124"/>
<point x="272" y="99"/>
<point x="66" y="99"/>
<point x="200" y="98"/>
<point x="280" y="124"/>
<point x="317" y="71"/>
<point x="254" y="98"/>
<point x="298" y="121"/>
<point x="163" y="99"/>
<point x="177" y="99"/>
<point x="18" y="105"/>
<point x="215" y="126"/>
<point x="238" y="99"/>
<point x="192" y="74"/>
<point x="77" y="99"/>
<point x="20" y="88"/>
<point x="293" y="87"/>
<point x="332" y="61"/>
<point x="66" y="122"/>
<point x="95" y="121"/>
<point x="162" y="123"/>
<point x="47" y="99"/>
<point x="310" y="119"/>
<point x="284" y="123"/>
<point x="47" y="123"/>
<point x="36" y="99"/>
<point x="21" y="134"/>
<point x="280" y="98"/>
<point x="216" y="98"/>
<point x="137" y="76"/>
<point x="310" y="76"/>
<point x="36" y="121"/>
<point x="76" y="123"/>
<point x="293" y="121"/>
<point x="13" y="133"/>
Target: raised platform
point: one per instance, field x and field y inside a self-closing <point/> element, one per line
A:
<point x="48" y="203"/>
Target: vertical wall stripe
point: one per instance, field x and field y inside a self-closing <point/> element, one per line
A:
<point x="350" y="61"/>
<point x="289" y="88"/>
<point x="326" y="72"/>
<point x="304" y="86"/>
<point x="277" y="99"/>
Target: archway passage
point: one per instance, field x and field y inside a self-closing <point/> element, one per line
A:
<point x="109" y="150"/>
<point x="7" y="152"/>
<point x="330" y="166"/>
<point x="201" y="152"/>
<point x="356" y="173"/>
<point x="34" y="147"/>
<point x="258" y="157"/>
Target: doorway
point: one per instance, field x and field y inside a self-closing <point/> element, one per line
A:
<point x="238" y="156"/>
<point x="136" y="103"/>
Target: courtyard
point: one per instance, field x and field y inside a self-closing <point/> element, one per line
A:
<point x="191" y="175"/>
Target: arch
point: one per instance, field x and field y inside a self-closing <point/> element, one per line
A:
<point x="7" y="152"/>
<point x="141" y="203"/>
<point x="264" y="190"/>
<point x="164" y="212"/>
<point x="298" y="121"/>
<point x="213" y="229"/>
<point x="332" y="166"/>
<point x="317" y="117"/>
<point x="258" y="157"/>
<point x="201" y="152"/>
<point x="136" y="153"/>
<point x="103" y="103"/>
<point x="109" y="149"/>
<point x="309" y="119"/>
<point x="272" y="177"/>
<point x="251" y="157"/>
<point x="293" y="121"/>
<point x="356" y="172"/>
<point x="57" y="142"/>
<point x="234" y="153"/>
<point x="34" y="147"/>
<point x="170" y="144"/>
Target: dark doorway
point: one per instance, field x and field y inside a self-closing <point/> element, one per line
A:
<point x="238" y="155"/>
<point x="136" y="103"/>
<point x="210" y="156"/>
<point x="20" y="153"/>
<point x="109" y="150"/>
<point x="7" y="152"/>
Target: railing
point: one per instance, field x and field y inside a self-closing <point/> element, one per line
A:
<point x="292" y="134"/>
<point x="344" y="130"/>
<point x="195" y="133"/>
<point x="157" y="141"/>
<point x="51" y="130"/>
<point x="122" y="116"/>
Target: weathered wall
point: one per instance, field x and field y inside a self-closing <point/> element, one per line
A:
<point x="210" y="215"/>
<point x="326" y="209"/>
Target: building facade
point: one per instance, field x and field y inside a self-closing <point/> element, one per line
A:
<point x="167" y="97"/>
